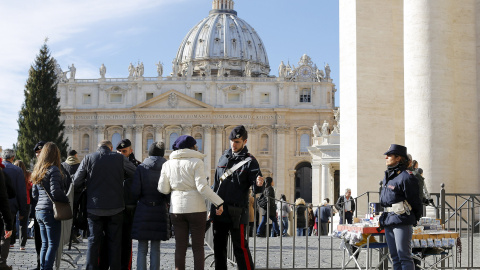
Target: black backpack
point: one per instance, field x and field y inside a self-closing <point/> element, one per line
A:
<point x="262" y="201"/>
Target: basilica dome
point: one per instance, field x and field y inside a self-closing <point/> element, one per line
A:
<point x="221" y="45"/>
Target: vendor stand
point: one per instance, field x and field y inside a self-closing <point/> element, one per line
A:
<point x="428" y="239"/>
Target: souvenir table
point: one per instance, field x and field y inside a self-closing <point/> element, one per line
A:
<point x="428" y="239"/>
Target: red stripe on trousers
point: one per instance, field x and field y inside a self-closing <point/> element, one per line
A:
<point x="242" y="243"/>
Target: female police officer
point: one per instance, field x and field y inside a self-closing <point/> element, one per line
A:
<point x="402" y="207"/>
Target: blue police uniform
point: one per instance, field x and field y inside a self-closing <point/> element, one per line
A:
<point x="400" y="185"/>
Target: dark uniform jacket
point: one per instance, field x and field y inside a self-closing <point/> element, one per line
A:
<point x="235" y="188"/>
<point x="103" y="172"/>
<point x="399" y="185"/>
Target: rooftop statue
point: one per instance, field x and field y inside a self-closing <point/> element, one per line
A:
<point x="316" y="131"/>
<point x="73" y="70"/>
<point x="103" y="71"/>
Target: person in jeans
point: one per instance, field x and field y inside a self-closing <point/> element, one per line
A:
<point x="283" y="211"/>
<point x="48" y="178"/>
<point x="103" y="172"/>
<point x="150" y="221"/>
<point x="24" y="222"/>
<point x="184" y="177"/>
<point x="301" y="220"/>
<point x="6" y="219"/>
<point x="270" y="194"/>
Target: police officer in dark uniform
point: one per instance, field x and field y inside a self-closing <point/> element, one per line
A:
<point x="402" y="207"/>
<point x="124" y="147"/>
<point x="233" y="185"/>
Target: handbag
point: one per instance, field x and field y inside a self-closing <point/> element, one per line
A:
<point x="61" y="210"/>
<point x="262" y="201"/>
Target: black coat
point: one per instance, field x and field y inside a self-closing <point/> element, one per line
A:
<point x="301" y="220"/>
<point x="341" y="204"/>
<point x="150" y="220"/>
<point x="19" y="203"/>
<point x="4" y="206"/>
<point x="103" y="171"/>
<point x="270" y="193"/>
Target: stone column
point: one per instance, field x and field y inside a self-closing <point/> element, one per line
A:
<point x="316" y="182"/>
<point x="280" y="159"/>
<point x="281" y="95"/>
<point x="325" y="181"/>
<point x="100" y="130"/>
<point x="207" y="150"/>
<point x="441" y="92"/>
<point x="71" y="96"/>
<point x="219" y="130"/>
<point x="159" y="129"/>
<point x="252" y="140"/>
<point x="128" y="132"/>
<point x="138" y="141"/>
<point x="186" y="129"/>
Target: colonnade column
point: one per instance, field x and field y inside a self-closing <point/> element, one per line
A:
<point x="441" y="92"/>
<point x="219" y="130"/>
<point x="325" y="181"/>
<point x="69" y="134"/>
<point x="207" y="149"/>
<point x="317" y="186"/>
<point x="280" y="167"/>
<point x="186" y="129"/>
<point x="138" y="142"/>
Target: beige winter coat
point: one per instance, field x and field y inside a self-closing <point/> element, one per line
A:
<point x="184" y="176"/>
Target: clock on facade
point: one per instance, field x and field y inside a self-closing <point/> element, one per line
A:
<point x="305" y="72"/>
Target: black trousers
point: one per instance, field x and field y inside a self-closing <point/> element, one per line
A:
<point x="110" y="228"/>
<point x="240" y="245"/>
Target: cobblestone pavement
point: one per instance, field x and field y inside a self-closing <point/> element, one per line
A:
<point x="329" y="256"/>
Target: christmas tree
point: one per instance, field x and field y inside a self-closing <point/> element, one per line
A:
<point x="39" y="118"/>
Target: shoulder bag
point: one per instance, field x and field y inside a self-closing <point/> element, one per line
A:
<point x="61" y="210"/>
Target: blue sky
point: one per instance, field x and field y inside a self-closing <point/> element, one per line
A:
<point x="117" y="32"/>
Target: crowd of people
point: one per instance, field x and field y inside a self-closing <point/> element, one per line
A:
<point x="127" y="199"/>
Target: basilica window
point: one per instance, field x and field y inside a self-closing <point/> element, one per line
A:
<point x="172" y="139"/>
<point x="198" y="138"/>
<point x="199" y="96"/>
<point x="304" y="142"/>
<point x="87" y="99"/>
<point x="116" y="98"/>
<point x="148" y="96"/>
<point x="305" y="95"/>
<point x="85" y="142"/>
<point x="264" y="144"/>
<point x="265" y="98"/>
<point x="116" y="138"/>
<point x="149" y="140"/>
<point x="234" y="98"/>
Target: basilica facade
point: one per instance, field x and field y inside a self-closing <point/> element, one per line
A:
<point x="220" y="79"/>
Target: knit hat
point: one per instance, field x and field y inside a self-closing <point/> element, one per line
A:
<point x="156" y="149"/>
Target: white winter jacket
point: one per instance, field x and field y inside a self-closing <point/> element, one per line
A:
<point x="184" y="176"/>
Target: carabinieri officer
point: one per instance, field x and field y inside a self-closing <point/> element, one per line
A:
<point x="402" y="207"/>
<point x="237" y="170"/>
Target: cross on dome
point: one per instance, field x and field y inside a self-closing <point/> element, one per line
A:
<point x="222" y="4"/>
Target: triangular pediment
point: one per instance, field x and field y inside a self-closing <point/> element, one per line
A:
<point x="172" y="99"/>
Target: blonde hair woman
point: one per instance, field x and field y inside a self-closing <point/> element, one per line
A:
<point x="48" y="178"/>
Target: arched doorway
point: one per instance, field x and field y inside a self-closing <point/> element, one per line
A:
<point x="303" y="181"/>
